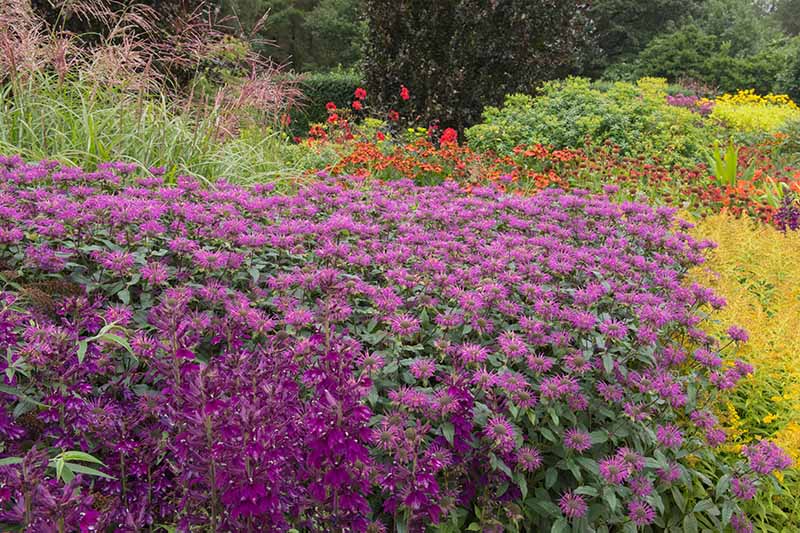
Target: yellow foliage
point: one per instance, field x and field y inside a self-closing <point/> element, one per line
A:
<point x="749" y="112"/>
<point x="757" y="269"/>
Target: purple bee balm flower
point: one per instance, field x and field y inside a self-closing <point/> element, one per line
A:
<point x="641" y="487"/>
<point x="640" y="513"/>
<point x="573" y="505"/>
<point x="613" y="329"/>
<point x="500" y="432"/>
<point x="716" y="437"/>
<point x="741" y="524"/>
<point x="614" y="470"/>
<point x="633" y="459"/>
<point x="766" y="457"/>
<point x="529" y="459"/>
<point x="669" y="436"/>
<point x="472" y="353"/>
<point x="577" y="439"/>
<point x="669" y="474"/>
<point x="737" y="334"/>
<point x="743" y="488"/>
<point x="422" y="368"/>
<point x="404" y="325"/>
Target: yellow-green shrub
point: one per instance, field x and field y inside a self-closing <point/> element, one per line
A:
<point x="749" y="112"/>
<point x="757" y="269"/>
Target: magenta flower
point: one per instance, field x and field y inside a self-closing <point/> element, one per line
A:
<point x="500" y="432"/>
<point x="743" y="488"/>
<point x="529" y="458"/>
<point x="640" y="513"/>
<point x="573" y="505"/>
<point x="738" y="334"/>
<point x="422" y="368"/>
<point x="669" y="436"/>
<point x="577" y="439"/>
<point x="404" y="325"/>
<point x="614" y="470"/>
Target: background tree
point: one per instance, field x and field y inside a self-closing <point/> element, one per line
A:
<point x="456" y="56"/>
<point x="306" y="34"/>
<point x="787" y="12"/>
<point x="624" y="27"/>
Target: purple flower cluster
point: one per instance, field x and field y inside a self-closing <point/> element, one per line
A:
<point x="693" y="103"/>
<point x="787" y="217"/>
<point x="347" y="358"/>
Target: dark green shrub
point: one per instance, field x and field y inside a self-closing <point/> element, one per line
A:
<point x="318" y="89"/>
<point x="692" y="52"/>
<point x="458" y="56"/>
<point x="636" y="118"/>
<point x="624" y="27"/>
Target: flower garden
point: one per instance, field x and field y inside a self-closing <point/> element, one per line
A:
<point x="579" y="314"/>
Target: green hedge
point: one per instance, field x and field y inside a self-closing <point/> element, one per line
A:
<point x="318" y="89"/>
<point x="635" y="117"/>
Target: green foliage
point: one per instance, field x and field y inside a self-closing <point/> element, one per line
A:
<point x="787" y="14"/>
<point x="625" y="27"/>
<point x="725" y="167"/>
<point x="308" y="34"/>
<point x="693" y="52"/>
<point x="458" y="56"/>
<point x="565" y="113"/>
<point x="318" y="89"/>
<point x="83" y="124"/>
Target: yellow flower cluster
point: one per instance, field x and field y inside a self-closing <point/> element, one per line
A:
<point x="747" y="111"/>
<point x="757" y="269"/>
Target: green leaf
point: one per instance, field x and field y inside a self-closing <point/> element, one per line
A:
<point x="66" y="474"/>
<point x="125" y="296"/>
<point x="560" y="526"/>
<point x="87" y="470"/>
<point x="599" y="437"/>
<point x="689" y="524"/>
<point x="608" y="363"/>
<point x="586" y="491"/>
<point x="117" y="340"/>
<point x="474" y="527"/>
<point x="610" y="497"/>
<point x="680" y="501"/>
<point x="551" y="477"/>
<point x="6" y="461"/>
<point x="82" y="345"/>
<point x="14" y="392"/>
<point x="449" y="432"/>
<point x="522" y="483"/>
<point x="74" y="455"/>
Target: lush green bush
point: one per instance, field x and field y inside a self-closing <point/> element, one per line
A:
<point x="458" y="56"/>
<point x="318" y="89"/>
<point x="624" y="27"/>
<point x="564" y="113"/>
<point x="693" y="52"/>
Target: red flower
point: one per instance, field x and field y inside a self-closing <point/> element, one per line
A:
<point x="361" y="93"/>
<point x="394" y="116"/>
<point x="330" y="106"/>
<point x="357" y="105"/>
<point x="404" y="94"/>
<point x="448" y="136"/>
<point x="333" y="118"/>
<point x="380" y="136"/>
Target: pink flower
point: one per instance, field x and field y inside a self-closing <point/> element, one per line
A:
<point x="573" y="505"/>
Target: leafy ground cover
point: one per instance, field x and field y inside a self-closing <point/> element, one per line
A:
<point x="358" y="358"/>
